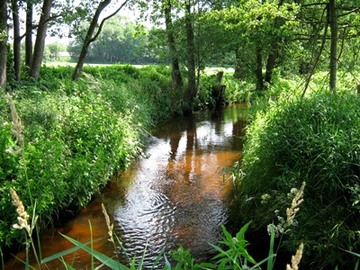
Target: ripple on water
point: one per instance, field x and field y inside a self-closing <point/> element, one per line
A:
<point x="145" y="223"/>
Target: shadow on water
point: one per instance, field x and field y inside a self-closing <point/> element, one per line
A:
<point x="175" y="195"/>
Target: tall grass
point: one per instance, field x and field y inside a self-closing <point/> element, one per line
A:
<point x="315" y="139"/>
<point x="73" y="136"/>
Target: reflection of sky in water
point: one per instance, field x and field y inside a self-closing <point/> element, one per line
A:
<point x="207" y="134"/>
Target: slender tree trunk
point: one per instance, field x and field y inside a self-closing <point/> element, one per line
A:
<point x="40" y="40"/>
<point x="28" y="35"/>
<point x="91" y="37"/>
<point x="258" y="71"/>
<point x="177" y="80"/>
<point x="333" y="46"/>
<point x="190" y="47"/>
<point x="17" y="39"/>
<point x="3" y="42"/>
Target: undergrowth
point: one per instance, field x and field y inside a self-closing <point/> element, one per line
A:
<point x="75" y="135"/>
<point x="314" y="139"/>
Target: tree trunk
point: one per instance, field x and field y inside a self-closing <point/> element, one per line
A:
<point x="190" y="48"/>
<point x="91" y="37"/>
<point x="17" y="39"/>
<point x="177" y="81"/>
<point x="333" y="47"/>
<point x="258" y="71"/>
<point x="271" y="63"/>
<point x="28" y="35"/>
<point x="238" y="63"/>
<point x="40" y="40"/>
<point x="3" y="42"/>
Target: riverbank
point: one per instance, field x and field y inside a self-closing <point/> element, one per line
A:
<point x="62" y="140"/>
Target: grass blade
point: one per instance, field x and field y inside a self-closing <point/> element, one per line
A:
<point x="62" y="254"/>
<point x="99" y="256"/>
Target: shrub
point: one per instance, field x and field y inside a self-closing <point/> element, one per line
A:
<point x="316" y="140"/>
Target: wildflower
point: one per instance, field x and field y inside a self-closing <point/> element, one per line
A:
<point x="295" y="259"/>
<point x="294" y="208"/>
<point x="264" y="198"/>
<point x="109" y="225"/>
<point x="23" y="216"/>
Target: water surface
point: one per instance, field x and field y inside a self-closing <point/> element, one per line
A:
<point x="175" y="194"/>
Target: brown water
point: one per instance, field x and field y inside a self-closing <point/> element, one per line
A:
<point x="175" y="195"/>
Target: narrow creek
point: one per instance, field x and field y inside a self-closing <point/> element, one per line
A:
<point x="176" y="194"/>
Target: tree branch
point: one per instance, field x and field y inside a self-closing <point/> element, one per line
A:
<point x="319" y="54"/>
<point x="105" y="19"/>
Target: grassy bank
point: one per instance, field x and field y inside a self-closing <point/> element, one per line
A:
<point x="314" y="140"/>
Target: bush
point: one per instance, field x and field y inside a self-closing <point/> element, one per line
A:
<point x="316" y="140"/>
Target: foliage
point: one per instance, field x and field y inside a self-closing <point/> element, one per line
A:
<point x="120" y="41"/>
<point x="53" y="50"/>
<point x="314" y="139"/>
<point x="76" y="135"/>
<point x="233" y="255"/>
<point x="236" y="256"/>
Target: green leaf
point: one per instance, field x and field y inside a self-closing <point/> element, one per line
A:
<point x="61" y="254"/>
<point x="99" y="256"/>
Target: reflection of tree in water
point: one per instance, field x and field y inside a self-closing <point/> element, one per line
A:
<point x="238" y="133"/>
<point x="199" y="150"/>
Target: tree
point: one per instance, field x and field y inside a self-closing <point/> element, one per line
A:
<point x="3" y="42"/>
<point x="190" y="49"/>
<point x="334" y="40"/>
<point x="28" y="34"/>
<point x="177" y="80"/>
<point x="55" y="49"/>
<point x="17" y="38"/>
<point x="253" y="31"/>
<point x="167" y="10"/>
<point x="90" y="36"/>
<point x="119" y="41"/>
<point x="343" y="16"/>
<point x="40" y="40"/>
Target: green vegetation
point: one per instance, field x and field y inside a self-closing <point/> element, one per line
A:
<point x="62" y="140"/>
<point x="313" y="139"/>
<point x="120" y="41"/>
<point x="65" y="132"/>
<point x="232" y="255"/>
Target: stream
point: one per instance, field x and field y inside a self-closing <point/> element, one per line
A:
<point x="175" y="194"/>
